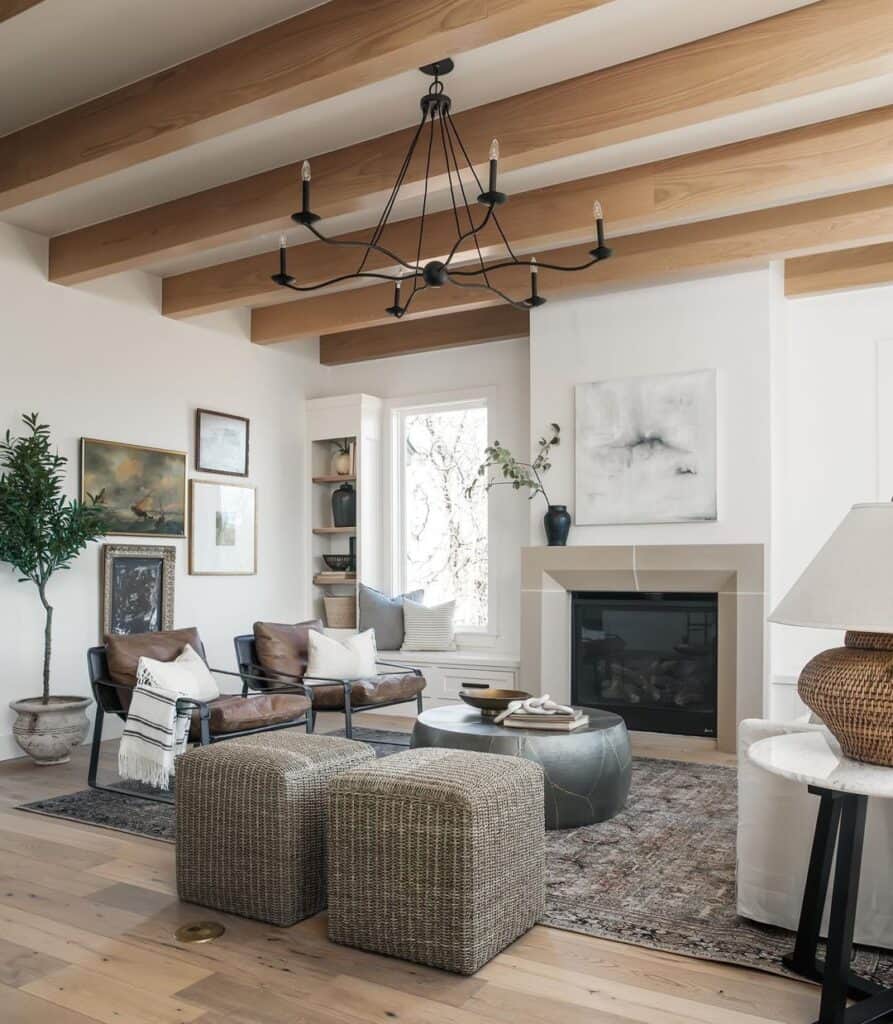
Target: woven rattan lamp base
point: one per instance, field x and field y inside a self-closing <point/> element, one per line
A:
<point x="851" y="689"/>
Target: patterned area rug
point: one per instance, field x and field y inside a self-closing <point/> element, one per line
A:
<point x="659" y="875"/>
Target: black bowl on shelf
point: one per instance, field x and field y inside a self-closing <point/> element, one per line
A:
<point x="339" y="563"/>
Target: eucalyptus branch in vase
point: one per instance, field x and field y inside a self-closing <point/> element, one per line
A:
<point x="501" y="469"/>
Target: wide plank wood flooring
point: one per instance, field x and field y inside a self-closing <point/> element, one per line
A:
<point x="87" y="921"/>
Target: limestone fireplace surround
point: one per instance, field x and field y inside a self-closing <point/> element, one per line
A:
<point x="734" y="572"/>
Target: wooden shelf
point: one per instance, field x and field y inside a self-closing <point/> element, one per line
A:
<point x="331" y="479"/>
<point x="333" y="583"/>
<point x="326" y="530"/>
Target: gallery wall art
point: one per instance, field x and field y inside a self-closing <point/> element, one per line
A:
<point x="646" y="449"/>
<point x="223" y="529"/>
<point x="137" y="588"/>
<point x="221" y="443"/>
<point x="143" y="490"/>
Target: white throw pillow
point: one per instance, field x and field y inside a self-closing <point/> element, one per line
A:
<point x="187" y="675"/>
<point x="353" y="658"/>
<point x="428" y="628"/>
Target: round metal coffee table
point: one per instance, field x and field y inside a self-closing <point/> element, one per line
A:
<point x="587" y="772"/>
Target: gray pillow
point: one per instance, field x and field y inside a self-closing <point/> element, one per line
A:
<point x="385" y="615"/>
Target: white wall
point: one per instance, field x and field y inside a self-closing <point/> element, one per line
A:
<point x="835" y="437"/>
<point x="723" y="323"/>
<point x="502" y="366"/>
<point x="103" y="363"/>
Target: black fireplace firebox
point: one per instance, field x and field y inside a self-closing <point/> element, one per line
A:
<point x="649" y="657"/>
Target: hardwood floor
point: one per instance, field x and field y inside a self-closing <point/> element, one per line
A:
<point x="87" y="918"/>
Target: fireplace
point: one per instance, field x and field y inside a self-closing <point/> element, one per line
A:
<point x="650" y="657"/>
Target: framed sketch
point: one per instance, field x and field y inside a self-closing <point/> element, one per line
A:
<point x="222" y="529"/>
<point x="646" y="449"/>
<point x="143" y="490"/>
<point x="221" y="443"/>
<point x="137" y="588"/>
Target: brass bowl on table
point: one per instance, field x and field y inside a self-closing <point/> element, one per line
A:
<point x="491" y="702"/>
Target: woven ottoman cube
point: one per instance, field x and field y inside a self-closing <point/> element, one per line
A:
<point x="251" y="822"/>
<point x="436" y="856"/>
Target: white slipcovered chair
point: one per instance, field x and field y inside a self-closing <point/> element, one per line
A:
<point x="776" y="819"/>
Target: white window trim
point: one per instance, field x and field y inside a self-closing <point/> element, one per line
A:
<point x="397" y="410"/>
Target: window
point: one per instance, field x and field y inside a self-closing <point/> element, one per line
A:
<point x="441" y="545"/>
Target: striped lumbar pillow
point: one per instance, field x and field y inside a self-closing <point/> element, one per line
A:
<point x="428" y="628"/>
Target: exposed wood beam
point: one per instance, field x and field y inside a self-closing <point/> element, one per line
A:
<point x="338" y="46"/>
<point x="836" y="271"/>
<point x="10" y="8"/>
<point x="705" y="247"/>
<point x="816" y="47"/>
<point x="492" y="323"/>
<point x="834" y="156"/>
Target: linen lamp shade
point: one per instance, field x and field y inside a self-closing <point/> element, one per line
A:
<point x="849" y="585"/>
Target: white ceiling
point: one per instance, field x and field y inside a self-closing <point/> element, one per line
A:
<point x="61" y="53"/>
<point x="65" y="52"/>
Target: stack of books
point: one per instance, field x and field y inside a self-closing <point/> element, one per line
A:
<point x="558" y="722"/>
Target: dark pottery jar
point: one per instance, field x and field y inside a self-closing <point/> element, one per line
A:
<point x="557" y="522"/>
<point x="344" y="505"/>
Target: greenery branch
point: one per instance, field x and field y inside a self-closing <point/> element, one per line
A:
<point x="41" y="530"/>
<point x="501" y="468"/>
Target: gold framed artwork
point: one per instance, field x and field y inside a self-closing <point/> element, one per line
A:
<point x="221" y="443"/>
<point x="222" y="529"/>
<point x="143" y="490"/>
<point x="137" y="588"/>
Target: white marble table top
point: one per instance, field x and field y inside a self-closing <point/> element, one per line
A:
<point x="815" y="759"/>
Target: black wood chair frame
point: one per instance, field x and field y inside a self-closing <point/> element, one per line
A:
<point x="106" y="694"/>
<point x="246" y="656"/>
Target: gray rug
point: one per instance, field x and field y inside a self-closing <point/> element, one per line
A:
<point x="659" y="875"/>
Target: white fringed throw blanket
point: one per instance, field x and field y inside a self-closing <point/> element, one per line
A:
<point x="154" y="735"/>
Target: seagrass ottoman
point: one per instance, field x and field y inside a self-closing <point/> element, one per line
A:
<point x="251" y="822"/>
<point x="436" y="856"/>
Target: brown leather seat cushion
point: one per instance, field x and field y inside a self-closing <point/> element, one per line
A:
<point x="282" y="648"/>
<point x="124" y="652"/>
<point x="368" y="692"/>
<point x="235" y="714"/>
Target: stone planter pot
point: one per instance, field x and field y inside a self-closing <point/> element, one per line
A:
<point x="47" y="732"/>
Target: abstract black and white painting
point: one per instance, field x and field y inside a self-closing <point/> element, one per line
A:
<point x="646" y="449"/>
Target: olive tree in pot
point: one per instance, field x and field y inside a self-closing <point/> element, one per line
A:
<point x="517" y="474"/>
<point x="42" y="532"/>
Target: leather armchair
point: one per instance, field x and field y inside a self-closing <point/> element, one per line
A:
<point x="260" y="705"/>
<point x="278" y="652"/>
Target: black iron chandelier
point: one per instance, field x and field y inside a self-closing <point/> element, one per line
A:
<point x="413" y="274"/>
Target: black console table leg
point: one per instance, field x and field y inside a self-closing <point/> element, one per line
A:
<point x="843" y="908"/>
<point x="803" y="959"/>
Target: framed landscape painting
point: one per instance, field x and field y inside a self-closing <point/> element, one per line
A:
<point x="137" y="588"/>
<point x="142" y="490"/>
<point x="221" y="443"/>
<point x="223" y="529"/>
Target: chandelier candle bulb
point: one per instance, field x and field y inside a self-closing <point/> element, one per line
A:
<point x="599" y="216"/>
<point x="494" y="158"/>
<point x="282" y="269"/>
<point x="534" y="273"/>
<point x="305" y="186"/>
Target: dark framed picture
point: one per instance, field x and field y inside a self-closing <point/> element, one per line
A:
<point x="221" y="443"/>
<point x="222" y="529"/>
<point x="137" y="588"/>
<point x="143" y="490"/>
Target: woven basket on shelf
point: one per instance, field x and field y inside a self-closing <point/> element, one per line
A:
<point x="341" y="612"/>
<point x="851" y="689"/>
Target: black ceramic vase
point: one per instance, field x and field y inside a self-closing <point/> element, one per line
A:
<point x="557" y="522"/>
<point x="344" y="506"/>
